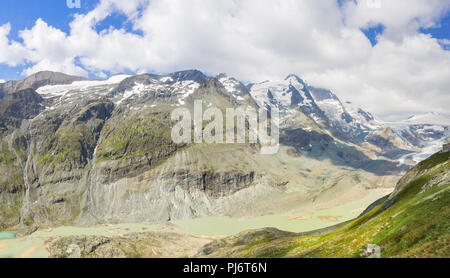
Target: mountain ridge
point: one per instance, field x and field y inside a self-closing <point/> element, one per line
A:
<point x="47" y="76"/>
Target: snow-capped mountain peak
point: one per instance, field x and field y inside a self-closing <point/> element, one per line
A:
<point x="284" y="93"/>
<point x="432" y="118"/>
<point x="320" y="105"/>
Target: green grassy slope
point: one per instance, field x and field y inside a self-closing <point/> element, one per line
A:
<point x="414" y="221"/>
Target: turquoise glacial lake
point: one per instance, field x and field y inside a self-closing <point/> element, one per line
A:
<point x="4" y="235"/>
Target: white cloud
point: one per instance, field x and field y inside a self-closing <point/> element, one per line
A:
<point x="408" y="77"/>
<point x="50" y="49"/>
<point x="256" y="40"/>
<point x="400" y="17"/>
<point x="11" y="53"/>
<point x="2" y="81"/>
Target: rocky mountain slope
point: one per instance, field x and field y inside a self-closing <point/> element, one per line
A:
<point x="413" y="221"/>
<point x="86" y="151"/>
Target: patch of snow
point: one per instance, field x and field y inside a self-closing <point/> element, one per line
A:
<point x="184" y="89"/>
<point x="331" y="108"/>
<point x="279" y="91"/>
<point x="231" y="85"/>
<point x="136" y="90"/>
<point x="60" y="90"/>
<point x="166" y="79"/>
<point x="181" y="90"/>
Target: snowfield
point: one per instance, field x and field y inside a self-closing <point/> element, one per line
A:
<point x="61" y="90"/>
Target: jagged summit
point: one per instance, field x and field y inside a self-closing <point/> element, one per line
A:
<point x="186" y="75"/>
<point x="296" y="78"/>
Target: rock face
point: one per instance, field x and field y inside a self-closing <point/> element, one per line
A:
<point x="446" y="147"/>
<point x="14" y="108"/>
<point x="88" y="151"/>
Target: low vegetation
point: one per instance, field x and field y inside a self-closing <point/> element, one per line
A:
<point x="412" y="223"/>
<point x="142" y="135"/>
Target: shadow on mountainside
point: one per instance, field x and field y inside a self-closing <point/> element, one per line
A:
<point x="321" y="146"/>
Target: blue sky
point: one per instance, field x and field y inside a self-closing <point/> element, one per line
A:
<point x="22" y="14"/>
<point x="357" y="51"/>
<point x="442" y="31"/>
